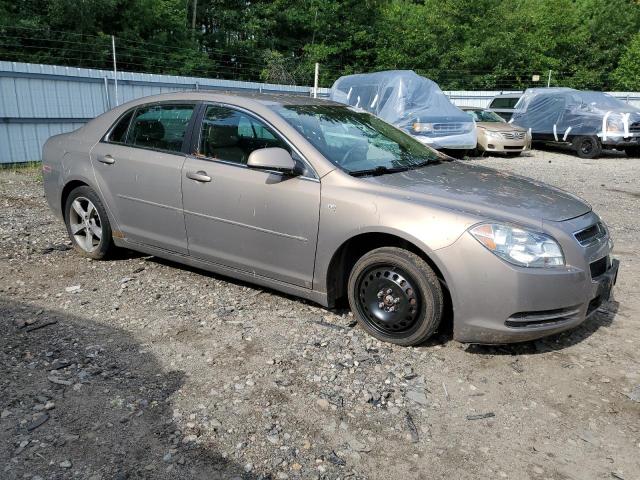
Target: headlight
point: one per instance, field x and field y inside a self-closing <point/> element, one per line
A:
<point x="519" y="246"/>
<point x="422" y="127"/>
<point x="615" y="126"/>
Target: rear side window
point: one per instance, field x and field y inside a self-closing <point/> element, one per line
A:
<point x="160" y="127"/>
<point x="119" y="133"/>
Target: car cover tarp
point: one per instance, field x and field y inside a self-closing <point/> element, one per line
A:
<point x="561" y="112"/>
<point x="400" y="97"/>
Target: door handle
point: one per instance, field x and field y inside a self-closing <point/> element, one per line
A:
<point x="108" y="159"/>
<point x="199" y="176"/>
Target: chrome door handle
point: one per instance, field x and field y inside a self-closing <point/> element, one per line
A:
<point x="199" y="176"/>
<point x="108" y="159"/>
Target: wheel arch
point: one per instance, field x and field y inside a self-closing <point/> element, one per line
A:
<point x="67" y="189"/>
<point x="348" y="253"/>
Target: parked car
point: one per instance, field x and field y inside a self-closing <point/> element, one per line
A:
<point x="326" y="202"/>
<point x="495" y="135"/>
<point x="504" y="104"/>
<point x="412" y="103"/>
<point x="587" y="122"/>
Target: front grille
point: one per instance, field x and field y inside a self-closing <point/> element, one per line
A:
<point x="591" y="234"/>
<point x="599" y="266"/>
<point x="448" y="127"/>
<point x="542" y="318"/>
<point x="634" y="127"/>
<point x="512" y="147"/>
<point x="513" y="135"/>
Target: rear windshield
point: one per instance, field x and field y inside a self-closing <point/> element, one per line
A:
<point x="504" y="102"/>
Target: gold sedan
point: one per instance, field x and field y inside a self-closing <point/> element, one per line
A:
<point x="495" y="135"/>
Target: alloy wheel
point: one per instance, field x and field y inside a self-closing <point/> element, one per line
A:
<point x="85" y="224"/>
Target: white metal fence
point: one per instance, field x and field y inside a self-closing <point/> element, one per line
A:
<point x="38" y="101"/>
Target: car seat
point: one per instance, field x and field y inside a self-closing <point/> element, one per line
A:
<point x="149" y="133"/>
<point x="222" y="142"/>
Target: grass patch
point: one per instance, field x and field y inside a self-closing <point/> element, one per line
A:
<point x="33" y="168"/>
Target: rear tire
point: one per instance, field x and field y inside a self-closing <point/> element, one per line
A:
<point x="632" y="152"/>
<point x="587" y="146"/>
<point x="395" y="296"/>
<point x="88" y="224"/>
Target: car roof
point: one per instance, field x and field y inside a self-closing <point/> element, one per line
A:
<point x="509" y="95"/>
<point x="268" y="99"/>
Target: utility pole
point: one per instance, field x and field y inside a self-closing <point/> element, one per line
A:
<point x="315" y="81"/>
<point x="193" y="15"/>
<point x="115" y="69"/>
<point x="549" y="79"/>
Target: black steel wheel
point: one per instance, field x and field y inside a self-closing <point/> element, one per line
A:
<point x="587" y="147"/>
<point x="387" y="296"/>
<point x="395" y="296"/>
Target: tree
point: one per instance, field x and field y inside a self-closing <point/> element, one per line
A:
<point x="485" y="44"/>
<point x="627" y="75"/>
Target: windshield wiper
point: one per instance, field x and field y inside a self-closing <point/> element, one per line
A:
<point x="380" y="170"/>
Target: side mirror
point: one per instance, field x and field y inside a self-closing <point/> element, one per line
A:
<point x="275" y="158"/>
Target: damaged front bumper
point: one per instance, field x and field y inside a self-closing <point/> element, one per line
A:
<point x="620" y="140"/>
<point x="496" y="302"/>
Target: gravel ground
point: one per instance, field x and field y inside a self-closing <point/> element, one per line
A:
<point x="141" y="368"/>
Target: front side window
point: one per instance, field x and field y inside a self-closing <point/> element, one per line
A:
<point x="160" y="127"/>
<point x="232" y="135"/>
<point x="357" y="142"/>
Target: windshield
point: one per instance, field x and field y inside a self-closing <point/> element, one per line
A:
<point x="356" y="141"/>
<point x="601" y="101"/>
<point x="485" y="116"/>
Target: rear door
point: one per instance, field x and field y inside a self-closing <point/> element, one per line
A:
<point x="138" y="169"/>
<point x="252" y="220"/>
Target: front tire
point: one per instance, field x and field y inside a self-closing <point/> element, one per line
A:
<point x="395" y="296"/>
<point x="587" y="146"/>
<point x="88" y="224"/>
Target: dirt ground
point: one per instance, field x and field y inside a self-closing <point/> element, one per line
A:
<point x="141" y="368"/>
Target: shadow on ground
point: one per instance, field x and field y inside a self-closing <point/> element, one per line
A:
<point x="85" y="400"/>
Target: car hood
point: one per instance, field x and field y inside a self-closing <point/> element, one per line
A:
<point x="484" y="191"/>
<point x="499" y="127"/>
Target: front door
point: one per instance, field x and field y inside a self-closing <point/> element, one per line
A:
<point x="252" y="220"/>
<point x="138" y="168"/>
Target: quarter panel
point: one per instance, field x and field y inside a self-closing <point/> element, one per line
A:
<point x="350" y="207"/>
